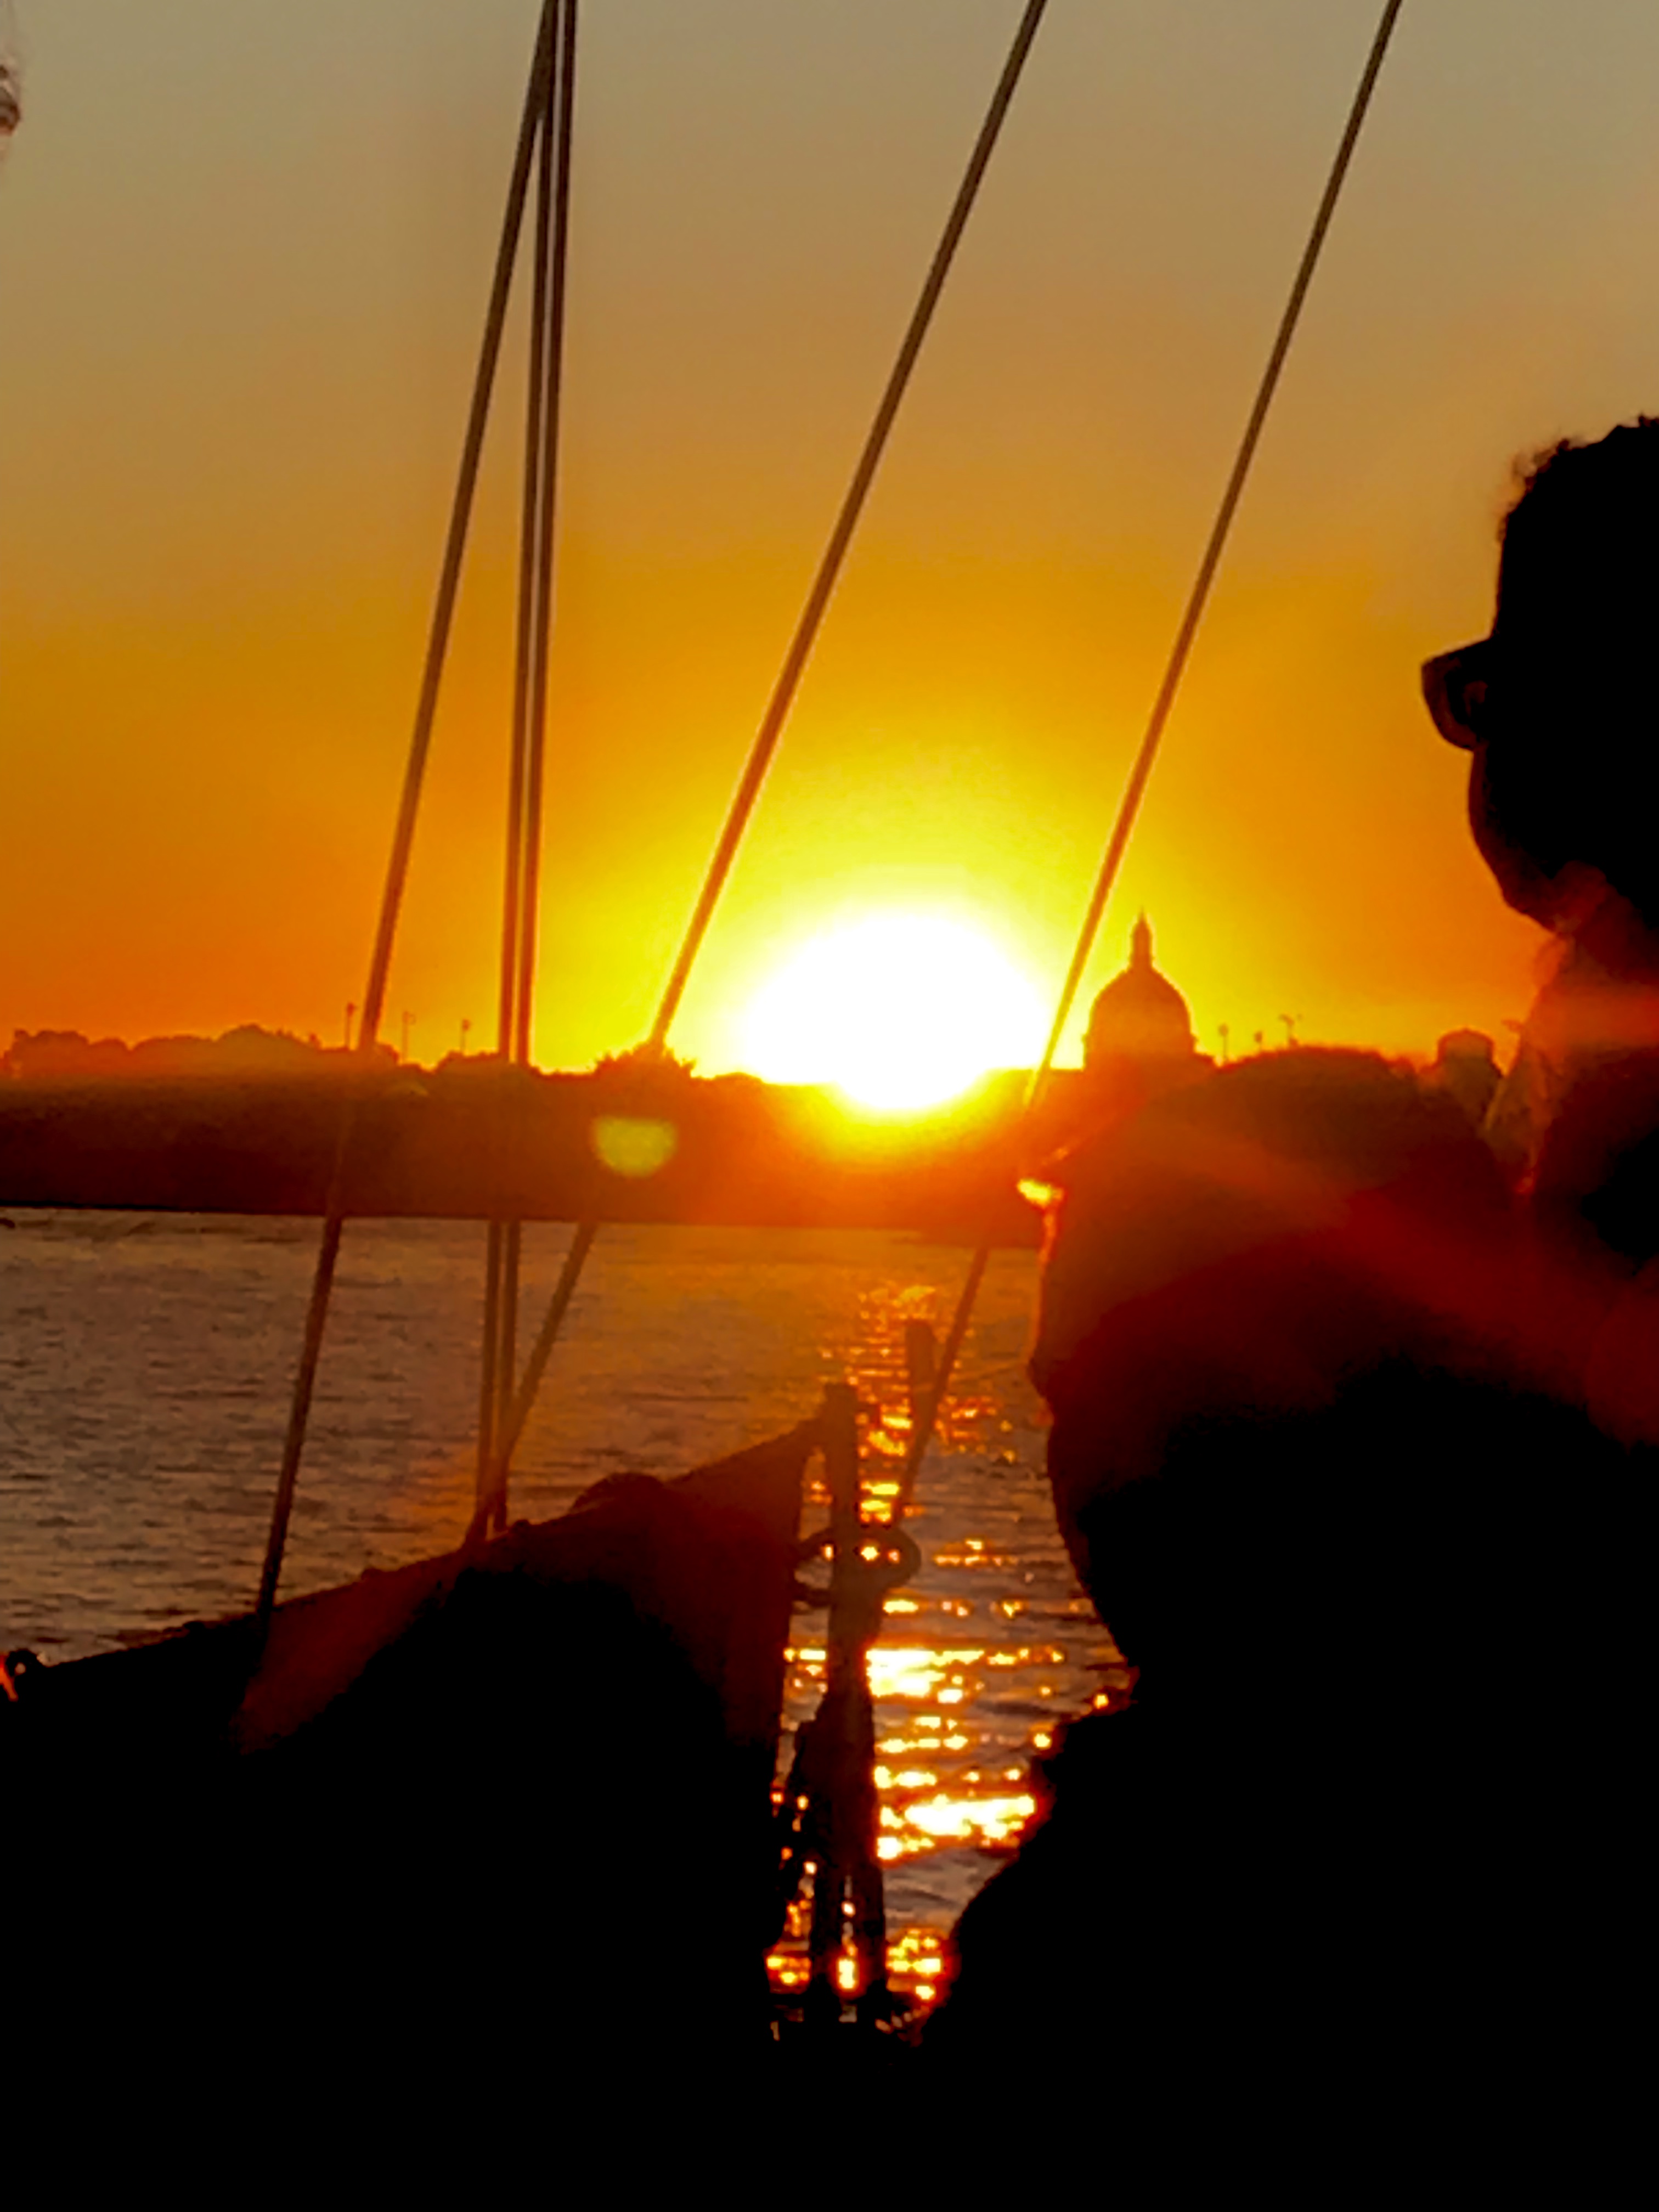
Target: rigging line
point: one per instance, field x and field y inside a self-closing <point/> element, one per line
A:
<point x="552" y="356"/>
<point x="553" y="349"/>
<point x="524" y="658"/>
<point x="542" y="1351"/>
<point x="500" y="1287"/>
<point x="841" y="538"/>
<point x="489" y="1367"/>
<point x="800" y="652"/>
<point x="402" y="841"/>
<point x="506" y="1360"/>
<point x="1180" y="652"/>
<point x="503" y="1247"/>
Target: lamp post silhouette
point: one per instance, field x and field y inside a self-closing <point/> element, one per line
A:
<point x="351" y="1008"/>
<point x="409" y="1023"/>
<point x="1290" y="1022"/>
<point x="466" y="1031"/>
<point x="1223" y="1033"/>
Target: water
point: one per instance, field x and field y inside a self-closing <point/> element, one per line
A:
<point x="144" y="1366"/>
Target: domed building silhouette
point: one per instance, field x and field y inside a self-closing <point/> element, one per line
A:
<point x="1141" y="1021"/>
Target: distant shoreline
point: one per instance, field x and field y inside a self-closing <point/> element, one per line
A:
<point x="476" y="1142"/>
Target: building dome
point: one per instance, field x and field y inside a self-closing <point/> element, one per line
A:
<point x="1139" y="1015"/>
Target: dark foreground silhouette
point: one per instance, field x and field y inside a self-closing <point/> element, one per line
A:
<point x="468" y="1825"/>
<point x="1354" y="1437"/>
<point x="1384" y="1584"/>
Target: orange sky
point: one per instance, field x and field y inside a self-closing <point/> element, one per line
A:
<point x="243" y="251"/>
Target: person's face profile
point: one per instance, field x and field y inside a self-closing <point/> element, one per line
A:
<point x="1457" y="691"/>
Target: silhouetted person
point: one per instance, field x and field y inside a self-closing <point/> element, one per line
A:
<point x="1350" y="1447"/>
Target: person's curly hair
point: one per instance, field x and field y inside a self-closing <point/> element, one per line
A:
<point x="1576" y="688"/>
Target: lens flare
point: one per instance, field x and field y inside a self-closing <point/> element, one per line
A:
<point x="631" y="1147"/>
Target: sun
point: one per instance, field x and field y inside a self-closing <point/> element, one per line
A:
<point x="897" y="1010"/>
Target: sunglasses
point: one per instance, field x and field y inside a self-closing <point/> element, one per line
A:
<point x="1455" y="688"/>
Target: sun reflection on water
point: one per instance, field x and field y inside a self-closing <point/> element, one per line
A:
<point x="165" y="1332"/>
<point x="945" y="1817"/>
<point x="918" y="1964"/>
<point x="960" y="1716"/>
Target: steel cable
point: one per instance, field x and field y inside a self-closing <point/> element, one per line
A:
<point x="1163" y="702"/>
<point x="776" y="716"/>
<point x="402" y="841"/>
<point x="520" y="920"/>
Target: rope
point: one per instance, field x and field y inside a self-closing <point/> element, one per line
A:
<point x="524" y="658"/>
<point x="773" y="721"/>
<point x="489" y="1370"/>
<point x="1180" y="652"/>
<point x="542" y="1351"/>
<point x="841" y="538"/>
<point x="403" y="839"/>
<point x="523" y="871"/>
<point x="501" y="1255"/>
<point x="563" y="122"/>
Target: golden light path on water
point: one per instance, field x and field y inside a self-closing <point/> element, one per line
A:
<point x="142" y="1411"/>
<point x="969" y="1691"/>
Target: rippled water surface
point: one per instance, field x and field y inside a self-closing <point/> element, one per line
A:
<point x="145" y="1363"/>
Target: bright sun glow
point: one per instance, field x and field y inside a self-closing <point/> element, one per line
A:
<point x="896" y="1010"/>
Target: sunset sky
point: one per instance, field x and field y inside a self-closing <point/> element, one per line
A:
<point x="243" y="250"/>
